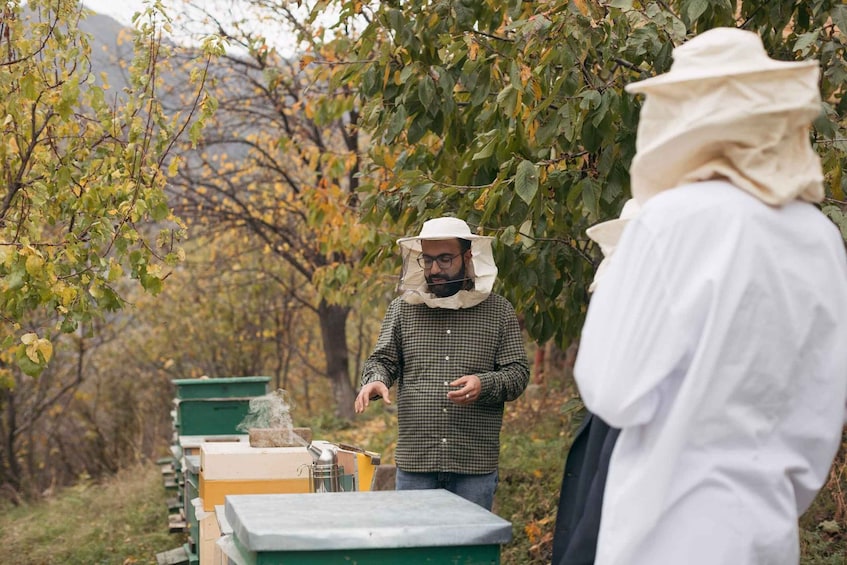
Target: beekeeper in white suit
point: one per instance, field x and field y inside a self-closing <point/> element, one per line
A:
<point x="716" y="339"/>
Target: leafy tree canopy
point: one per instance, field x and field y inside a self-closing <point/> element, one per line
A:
<point x="82" y="172"/>
<point x="513" y="115"/>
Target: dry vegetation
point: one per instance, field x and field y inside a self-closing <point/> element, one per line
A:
<point x="123" y="521"/>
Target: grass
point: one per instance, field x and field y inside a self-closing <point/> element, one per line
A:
<point x="123" y="521"/>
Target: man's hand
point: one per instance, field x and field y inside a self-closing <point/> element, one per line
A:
<point x="471" y="388"/>
<point x="371" y="391"/>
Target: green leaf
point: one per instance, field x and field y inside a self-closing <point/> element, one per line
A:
<point x="28" y="87"/>
<point x="590" y="99"/>
<point x="805" y="42"/>
<point x="486" y="151"/>
<point x="15" y="280"/>
<point x="396" y="20"/>
<point x="695" y="9"/>
<point x="159" y="211"/>
<point x="526" y="181"/>
<point x="426" y="93"/>
<point x="825" y="127"/>
<point x="839" y="17"/>
<point x="508" y="99"/>
<point x="591" y="196"/>
<point x="398" y="122"/>
<point x="418" y="128"/>
<point x="621" y="4"/>
<point x="482" y="87"/>
<point x="26" y="364"/>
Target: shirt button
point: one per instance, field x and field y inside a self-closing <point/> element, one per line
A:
<point x="448" y="332"/>
<point x="446" y="357"/>
<point x="444" y="440"/>
<point x="444" y="410"/>
<point x="446" y="383"/>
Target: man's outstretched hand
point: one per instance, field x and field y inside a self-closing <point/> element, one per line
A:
<point x="371" y="391"/>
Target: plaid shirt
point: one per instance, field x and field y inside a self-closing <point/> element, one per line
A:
<point x="423" y="349"/>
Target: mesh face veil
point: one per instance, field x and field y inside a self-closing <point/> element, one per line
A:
<point x="481" y="269"/>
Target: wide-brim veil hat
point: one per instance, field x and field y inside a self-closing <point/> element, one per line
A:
<point x="727" y="110"/>
<point x="481" y="269"/>
<point x="717" y="54"/>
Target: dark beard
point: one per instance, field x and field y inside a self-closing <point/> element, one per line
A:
<point x="442" y="287"/>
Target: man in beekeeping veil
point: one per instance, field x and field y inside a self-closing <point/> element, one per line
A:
<point x="456" y="352"/>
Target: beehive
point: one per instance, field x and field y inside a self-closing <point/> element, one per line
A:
<point x="238" y="468"/>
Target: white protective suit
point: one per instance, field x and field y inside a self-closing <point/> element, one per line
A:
<point x="717" y="343"/>
<point x="716" y="340"/>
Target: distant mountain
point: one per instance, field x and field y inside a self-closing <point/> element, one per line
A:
<point x="111" y="42"/>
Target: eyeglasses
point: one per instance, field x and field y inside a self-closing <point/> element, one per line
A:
<point x="444" y="261"/>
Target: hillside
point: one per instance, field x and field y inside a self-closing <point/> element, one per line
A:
<point x="123" y="521"/>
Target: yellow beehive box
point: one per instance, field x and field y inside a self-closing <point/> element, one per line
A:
<point x="213" y="492"/>
<point x="359" y="463"/>
<point x="241" y="461"/>
<point x="365" y="470"/>
<point x="238" y="468"/>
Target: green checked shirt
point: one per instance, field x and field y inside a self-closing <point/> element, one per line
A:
<point x="423" y="349"/>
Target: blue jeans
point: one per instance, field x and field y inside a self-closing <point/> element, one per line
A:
<point x="476" y="488"/>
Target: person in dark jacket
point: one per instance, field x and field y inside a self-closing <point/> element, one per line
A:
<point x="584" y="478"/>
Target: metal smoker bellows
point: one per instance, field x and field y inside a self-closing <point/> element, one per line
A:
<point x="324" y="473"/>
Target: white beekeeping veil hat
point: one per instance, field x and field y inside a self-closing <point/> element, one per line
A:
<point x="727" y="110"/>
<point x="481" y="269"/>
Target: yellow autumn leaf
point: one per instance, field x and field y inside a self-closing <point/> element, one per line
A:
<point x="173" y="167"/>
<point x="581" y="6"/>
<point x="115" y="270"/>
<point x="480" y="202"/>
<point x="36" y="345"/>
<point x="66" y="294"/>
<point x="95" y="291"/>
<point x="45" y="347"/>
<point x="835" y="184"/>
<point x="473" y="50"/>
<point x="34" y="264"/>
<point x="533" y="532"/>
<point x="154" y="270"/>
<point x="7" y="379"/>
<point x="536" y="90"/>
<point x="526" y="74"/>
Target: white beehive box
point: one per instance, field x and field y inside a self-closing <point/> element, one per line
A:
<point x="241" y="461"/>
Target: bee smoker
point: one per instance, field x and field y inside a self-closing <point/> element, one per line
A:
<point x="324" y="473"/>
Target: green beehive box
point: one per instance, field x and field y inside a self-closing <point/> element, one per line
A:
<point x="230" y="387"/>
<point x="192" y="491"/>
<point x="211" y="416"/>
<point x="368" y="528"/>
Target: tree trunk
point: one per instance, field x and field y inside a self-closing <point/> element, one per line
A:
<point x="12" y="470"/>
<point x="333" y="320"/>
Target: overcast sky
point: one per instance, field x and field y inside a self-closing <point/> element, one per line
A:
<point x="121" y="10"/>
